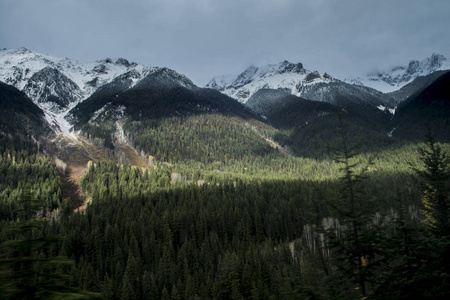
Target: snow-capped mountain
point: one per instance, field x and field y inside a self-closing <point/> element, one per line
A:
<point x="19" y="66"/>
<point x="294" y="79"/>
<point x="283" y="76"/>
<point x="72" y="92"/>
<point x="52" y="89"/>
<point x="399" y="76"/>
<point x="58" y="84"/>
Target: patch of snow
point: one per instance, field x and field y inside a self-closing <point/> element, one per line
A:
<point x="114" y="112"/>
<point x="389" y="109"/>
<point x="61" y="126"/>
<point x="98" y="112"/>
<point x="392" y="110"/>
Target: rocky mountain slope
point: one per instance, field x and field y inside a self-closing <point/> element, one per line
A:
<point x="294" y="79"/>
<point x="162" y="93"/>
<point x="73" y="93"/>
<point x="283" y="76"/>
<point x="57" y="84"/>
<point x="379" y="88"/>
<point x="19" y="66"/>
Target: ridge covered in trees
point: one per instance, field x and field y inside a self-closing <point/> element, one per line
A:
<point x="217" y="213"/>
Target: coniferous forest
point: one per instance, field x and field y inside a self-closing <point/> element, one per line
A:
<point x="168" y="192"/>
<point x="224" y="150"/>
<point x="219" y="214"/>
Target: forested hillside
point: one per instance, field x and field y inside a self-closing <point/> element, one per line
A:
<point x="234" y="220"/>
<point x="188" y="195"/>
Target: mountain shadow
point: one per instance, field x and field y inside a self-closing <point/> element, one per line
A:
<point x="19" y="113"/>
<point x="430" y="109"/>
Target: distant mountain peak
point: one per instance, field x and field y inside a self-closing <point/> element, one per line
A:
<point x="221" y="82"/>
<point x="284" y="75"/>
<point x="165" y="77"/>
<point x="286" y="66"/>
<point x="437" y="60"/>
<point x="124" y="62"/>
<point x="423" y="67"/>
<point x="398" y="76"/>
<point x="22" y="50"/>
<point x="52" y="89"/>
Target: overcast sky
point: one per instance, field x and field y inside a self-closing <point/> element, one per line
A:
<point x="204" y="38"/>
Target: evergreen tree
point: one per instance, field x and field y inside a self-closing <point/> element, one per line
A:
<point x="27" y="268"/>
<point x="354" y="239"/>
<point x="425" y="272"/>
<point x="436" y="175"/>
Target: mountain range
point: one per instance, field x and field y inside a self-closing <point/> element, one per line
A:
<point x="68" y="95"/>
<point x="386" y="88"/>
<point x="277" y="183"/>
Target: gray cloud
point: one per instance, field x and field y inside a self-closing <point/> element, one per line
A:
<point x="203" y="38"/>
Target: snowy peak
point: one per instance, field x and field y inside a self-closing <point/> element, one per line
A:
<point x="428" y="65"/>
<point x="52" y="89"/>
<point x="57" y="84"/>
<point x="284" y="76"/>
<point x="254" y="73"/>
<point x="164" y="78"/>
<point x="287" y="67"/>
<point x="245" y="77"/>
<point x="221" y="82"/>
<point x="397" y="77"/>
<point x="119" y="61"/>
<point x="403" y="74"/>
<point x="17" y="66"/>
<point x="263" y="84"/>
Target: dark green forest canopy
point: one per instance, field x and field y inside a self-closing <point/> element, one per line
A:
<point x="220" y="215"/>
<point x="165" y="190"/>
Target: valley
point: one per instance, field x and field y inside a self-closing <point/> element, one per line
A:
<point x="279" y="182"/>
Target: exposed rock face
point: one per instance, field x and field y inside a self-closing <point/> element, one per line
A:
<point x="52" y="89"/>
